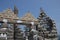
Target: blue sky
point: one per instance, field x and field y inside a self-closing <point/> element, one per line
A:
<point x="51" y="7"/>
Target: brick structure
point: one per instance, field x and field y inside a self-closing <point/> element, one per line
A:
<point x="43" y="28"/>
